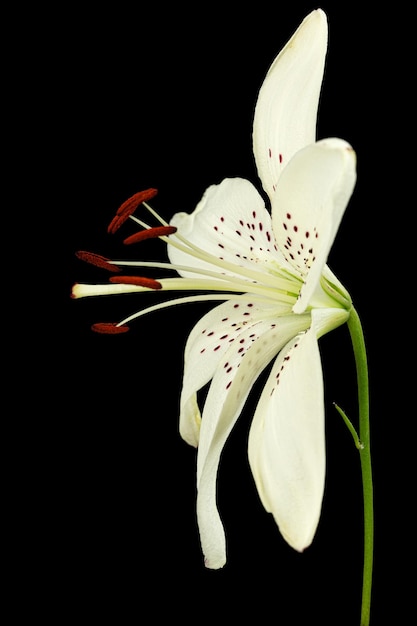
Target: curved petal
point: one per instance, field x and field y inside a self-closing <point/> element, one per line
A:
<point x="231" y="223"/>
<point x="206" y="346"/>
<point x="286" y="110"/>
<point x="327" y="319"/>
<point x="308" y="206"/>
<point x="332" y="279"/>
<point x="329" y="291"/>
<point x="236" y="373"/>
<point x="287" y="441"/>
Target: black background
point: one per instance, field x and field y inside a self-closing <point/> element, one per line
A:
<point x="163" y="96"/>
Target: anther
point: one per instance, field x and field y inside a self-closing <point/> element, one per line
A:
<point x="128" y="207"/>
<point x="150" y="233"/>
<point x="108" y="328"/>
<point x="97" y="259"/>
<point x="139" y="281"/>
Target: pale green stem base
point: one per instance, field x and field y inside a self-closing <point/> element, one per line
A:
<point x="363" y="445"/>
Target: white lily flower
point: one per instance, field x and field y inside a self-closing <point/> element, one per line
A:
<point x="279" y="297"/>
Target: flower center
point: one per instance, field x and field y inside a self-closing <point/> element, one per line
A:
<point x="262" y="280"/>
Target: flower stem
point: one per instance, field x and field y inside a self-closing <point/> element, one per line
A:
<point x="359" y="350"/>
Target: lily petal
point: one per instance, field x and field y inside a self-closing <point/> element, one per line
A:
<point x="286" y="110"/>
<point x="231" y="223"/>
<point x="308" y="206"/>
<point x="225" y="399"/>
<point x="287" y="440"/>
<point x="206" y="346"/>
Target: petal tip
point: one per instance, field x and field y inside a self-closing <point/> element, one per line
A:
<point x="300" y="544"/>
<point x="214" y="563"/>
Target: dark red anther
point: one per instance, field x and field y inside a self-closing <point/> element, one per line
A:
<point x="136" y="200"/>
<point x="150" y="233"/>
<point x="115" y="224"/>
<point x="128" y="207"/>
<point x="139" y="281"/>
<point x="97" y="259"/>
<point x="108" y="328"/>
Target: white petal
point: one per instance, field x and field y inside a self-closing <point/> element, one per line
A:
<point x="334" y="292"/>
<point x="327" y="319"/>
<point x="287" y="441"/>
<point x="233" y="380"/>
<point x="206" y="345"/>
<point x="308" y="206"/>
<point x="286" y="110"/>
<point x="231" y="223"/>
<point x="332" y="279"/>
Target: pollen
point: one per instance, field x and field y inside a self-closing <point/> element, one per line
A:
<point x="150" y="233"/>
<point x="97" y="260"/>
<point x="109" y="328"/>
<point x="139" y="281"/>
<point x="128" y="207"/>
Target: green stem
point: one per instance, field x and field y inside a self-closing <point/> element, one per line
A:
<point x="359" y="350"/>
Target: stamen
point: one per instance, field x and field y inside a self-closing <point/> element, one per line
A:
<point x="109" y="328"/>
<point x="136" y="200"/>
<point x="150" y="233"/>
<point x="140" y="281"/>
<point x="96" y="259"/>
<point x="128" y="207"/>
